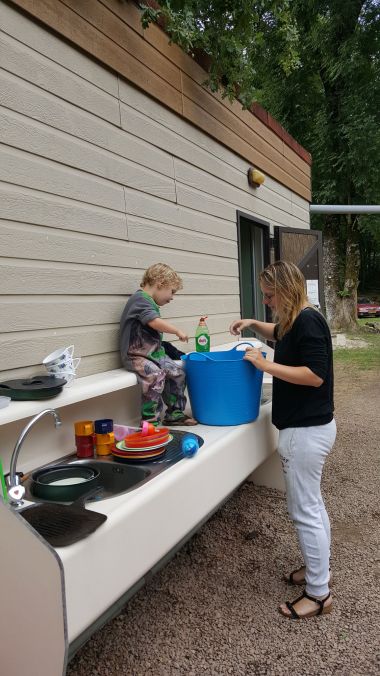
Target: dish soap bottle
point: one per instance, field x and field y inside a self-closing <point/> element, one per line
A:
<point x="202" y="336"/>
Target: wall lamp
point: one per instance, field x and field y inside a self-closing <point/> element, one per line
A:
<point x="255" y="177"/>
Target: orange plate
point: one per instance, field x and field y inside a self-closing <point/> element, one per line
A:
<point x="139" y="456"/>
<point x="146" y="442"/>
<point x="133" y="451"/>
<point x="159" y="432"/>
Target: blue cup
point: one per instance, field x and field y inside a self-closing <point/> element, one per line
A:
<point x="104" y="426"/>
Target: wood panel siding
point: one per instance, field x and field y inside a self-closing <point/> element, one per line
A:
<point x="110" y="31"/>
<point x="102" y="175"/>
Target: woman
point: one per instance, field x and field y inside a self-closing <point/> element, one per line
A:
<point x="302" y="410"/>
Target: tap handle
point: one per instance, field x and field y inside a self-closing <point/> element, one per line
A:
<point x="16" y="494"/>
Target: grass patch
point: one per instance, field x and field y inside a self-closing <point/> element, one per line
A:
<point x="361" y="358"/>
<point x="371" y="320"/>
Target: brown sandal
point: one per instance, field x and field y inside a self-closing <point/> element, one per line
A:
<point x="321" y="610"/>
<point x="289" y="579"/>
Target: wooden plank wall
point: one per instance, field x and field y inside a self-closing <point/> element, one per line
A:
<point x="97" y="182"/>
<point x="111" y="31"/>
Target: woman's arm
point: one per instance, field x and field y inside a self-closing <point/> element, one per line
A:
<point x="297" y="375"/>
<point x="161" y="325"/>
<point x="265" y="329"/>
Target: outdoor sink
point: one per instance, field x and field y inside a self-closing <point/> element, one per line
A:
<point x="115" y="478"/>
<point x="119" y="477"/>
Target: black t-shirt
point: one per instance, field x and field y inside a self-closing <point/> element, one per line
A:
<point x="308" y="343"/>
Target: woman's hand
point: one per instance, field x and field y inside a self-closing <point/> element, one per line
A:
<point x="238" y="325"/>
<point x="254" y="355"/>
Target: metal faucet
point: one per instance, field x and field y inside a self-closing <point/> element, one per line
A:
<point x="13" y="479"/>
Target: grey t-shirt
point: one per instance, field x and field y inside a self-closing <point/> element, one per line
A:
<point x="136" y="337"/>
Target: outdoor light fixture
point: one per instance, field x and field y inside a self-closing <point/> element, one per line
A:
<point x="255" y="177"/>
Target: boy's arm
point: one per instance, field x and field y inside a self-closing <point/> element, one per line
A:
<point x="163" y="326"/>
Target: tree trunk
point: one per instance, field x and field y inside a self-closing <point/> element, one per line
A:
<point x="341" y="302"/>
<point x="351" y="281"/>
<point x="331" y="273"/>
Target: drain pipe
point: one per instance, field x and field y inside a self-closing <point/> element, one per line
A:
<point x="344" y="209"/>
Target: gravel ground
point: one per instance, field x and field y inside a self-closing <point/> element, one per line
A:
<point x="213" y="609"/>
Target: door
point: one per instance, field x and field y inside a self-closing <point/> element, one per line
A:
<point x="304" y="249"/>
<point x="253" y="240"/>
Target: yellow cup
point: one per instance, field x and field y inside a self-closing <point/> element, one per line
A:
<point x="103" y="449"/>
<point x="83" y="428"/>
<point x="108" y="438"/>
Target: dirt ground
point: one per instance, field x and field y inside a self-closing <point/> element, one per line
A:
<point x="213" y="609"/>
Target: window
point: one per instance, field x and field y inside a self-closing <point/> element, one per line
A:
<point x="253" y="240"/>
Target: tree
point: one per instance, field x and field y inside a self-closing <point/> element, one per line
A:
<point x="232" y="35"/>
<point x="315" y="66"/>
<point x="331" y="105"/>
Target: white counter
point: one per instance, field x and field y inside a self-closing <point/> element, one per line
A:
<point x="145" y="524"/>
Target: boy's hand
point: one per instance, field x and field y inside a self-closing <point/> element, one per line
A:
<point x="182" y="336"/>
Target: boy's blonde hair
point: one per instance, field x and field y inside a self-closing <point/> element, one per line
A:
<point x="288" y="283"/>
<point x="163" y="274"/>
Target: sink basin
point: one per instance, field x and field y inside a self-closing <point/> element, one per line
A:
<point x="116" y="477"/>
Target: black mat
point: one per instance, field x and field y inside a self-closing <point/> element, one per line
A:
<point x="62" y="525"/>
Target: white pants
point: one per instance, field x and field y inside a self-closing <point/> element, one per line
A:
<point x="303" y="451"/>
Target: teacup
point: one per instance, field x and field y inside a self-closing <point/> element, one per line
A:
<point x="64" y="375"/>
<point x="63" y="354"/>
<point x="69" y="365"/>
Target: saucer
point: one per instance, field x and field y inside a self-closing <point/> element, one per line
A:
<point x="126" y="449"/>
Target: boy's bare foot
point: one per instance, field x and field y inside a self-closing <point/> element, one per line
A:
<point x="183" y="421"/>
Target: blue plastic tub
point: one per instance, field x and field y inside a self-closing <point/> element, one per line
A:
<point x="223" y="388"/>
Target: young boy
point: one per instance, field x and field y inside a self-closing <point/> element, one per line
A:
<point x="141" y="327"/>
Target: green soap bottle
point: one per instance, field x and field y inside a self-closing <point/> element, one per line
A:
<point x="202" y="336"/>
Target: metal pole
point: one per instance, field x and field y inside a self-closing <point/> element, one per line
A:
<point x="346" y="209"/>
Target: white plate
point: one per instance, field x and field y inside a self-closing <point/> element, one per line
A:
<point x="122" y="447"/>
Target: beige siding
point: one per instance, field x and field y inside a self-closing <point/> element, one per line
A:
<point x="111" y="31"/>
<point x="97" y="182"/>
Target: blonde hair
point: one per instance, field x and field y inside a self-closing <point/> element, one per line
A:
<point x="163" y="274"/>
<point x="288" y="284"/>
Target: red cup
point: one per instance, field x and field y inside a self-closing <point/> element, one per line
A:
<point x="85" y="446"/>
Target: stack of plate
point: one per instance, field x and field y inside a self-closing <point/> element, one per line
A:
<point x="32" y="389"/>
<point x="147" y="453"/>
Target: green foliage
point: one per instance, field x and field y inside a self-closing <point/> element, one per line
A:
<point x="315" y="66"/>
<point x="332" y="103"/>
<point x="332" y="106"/>
<point x="235" y="35"/>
